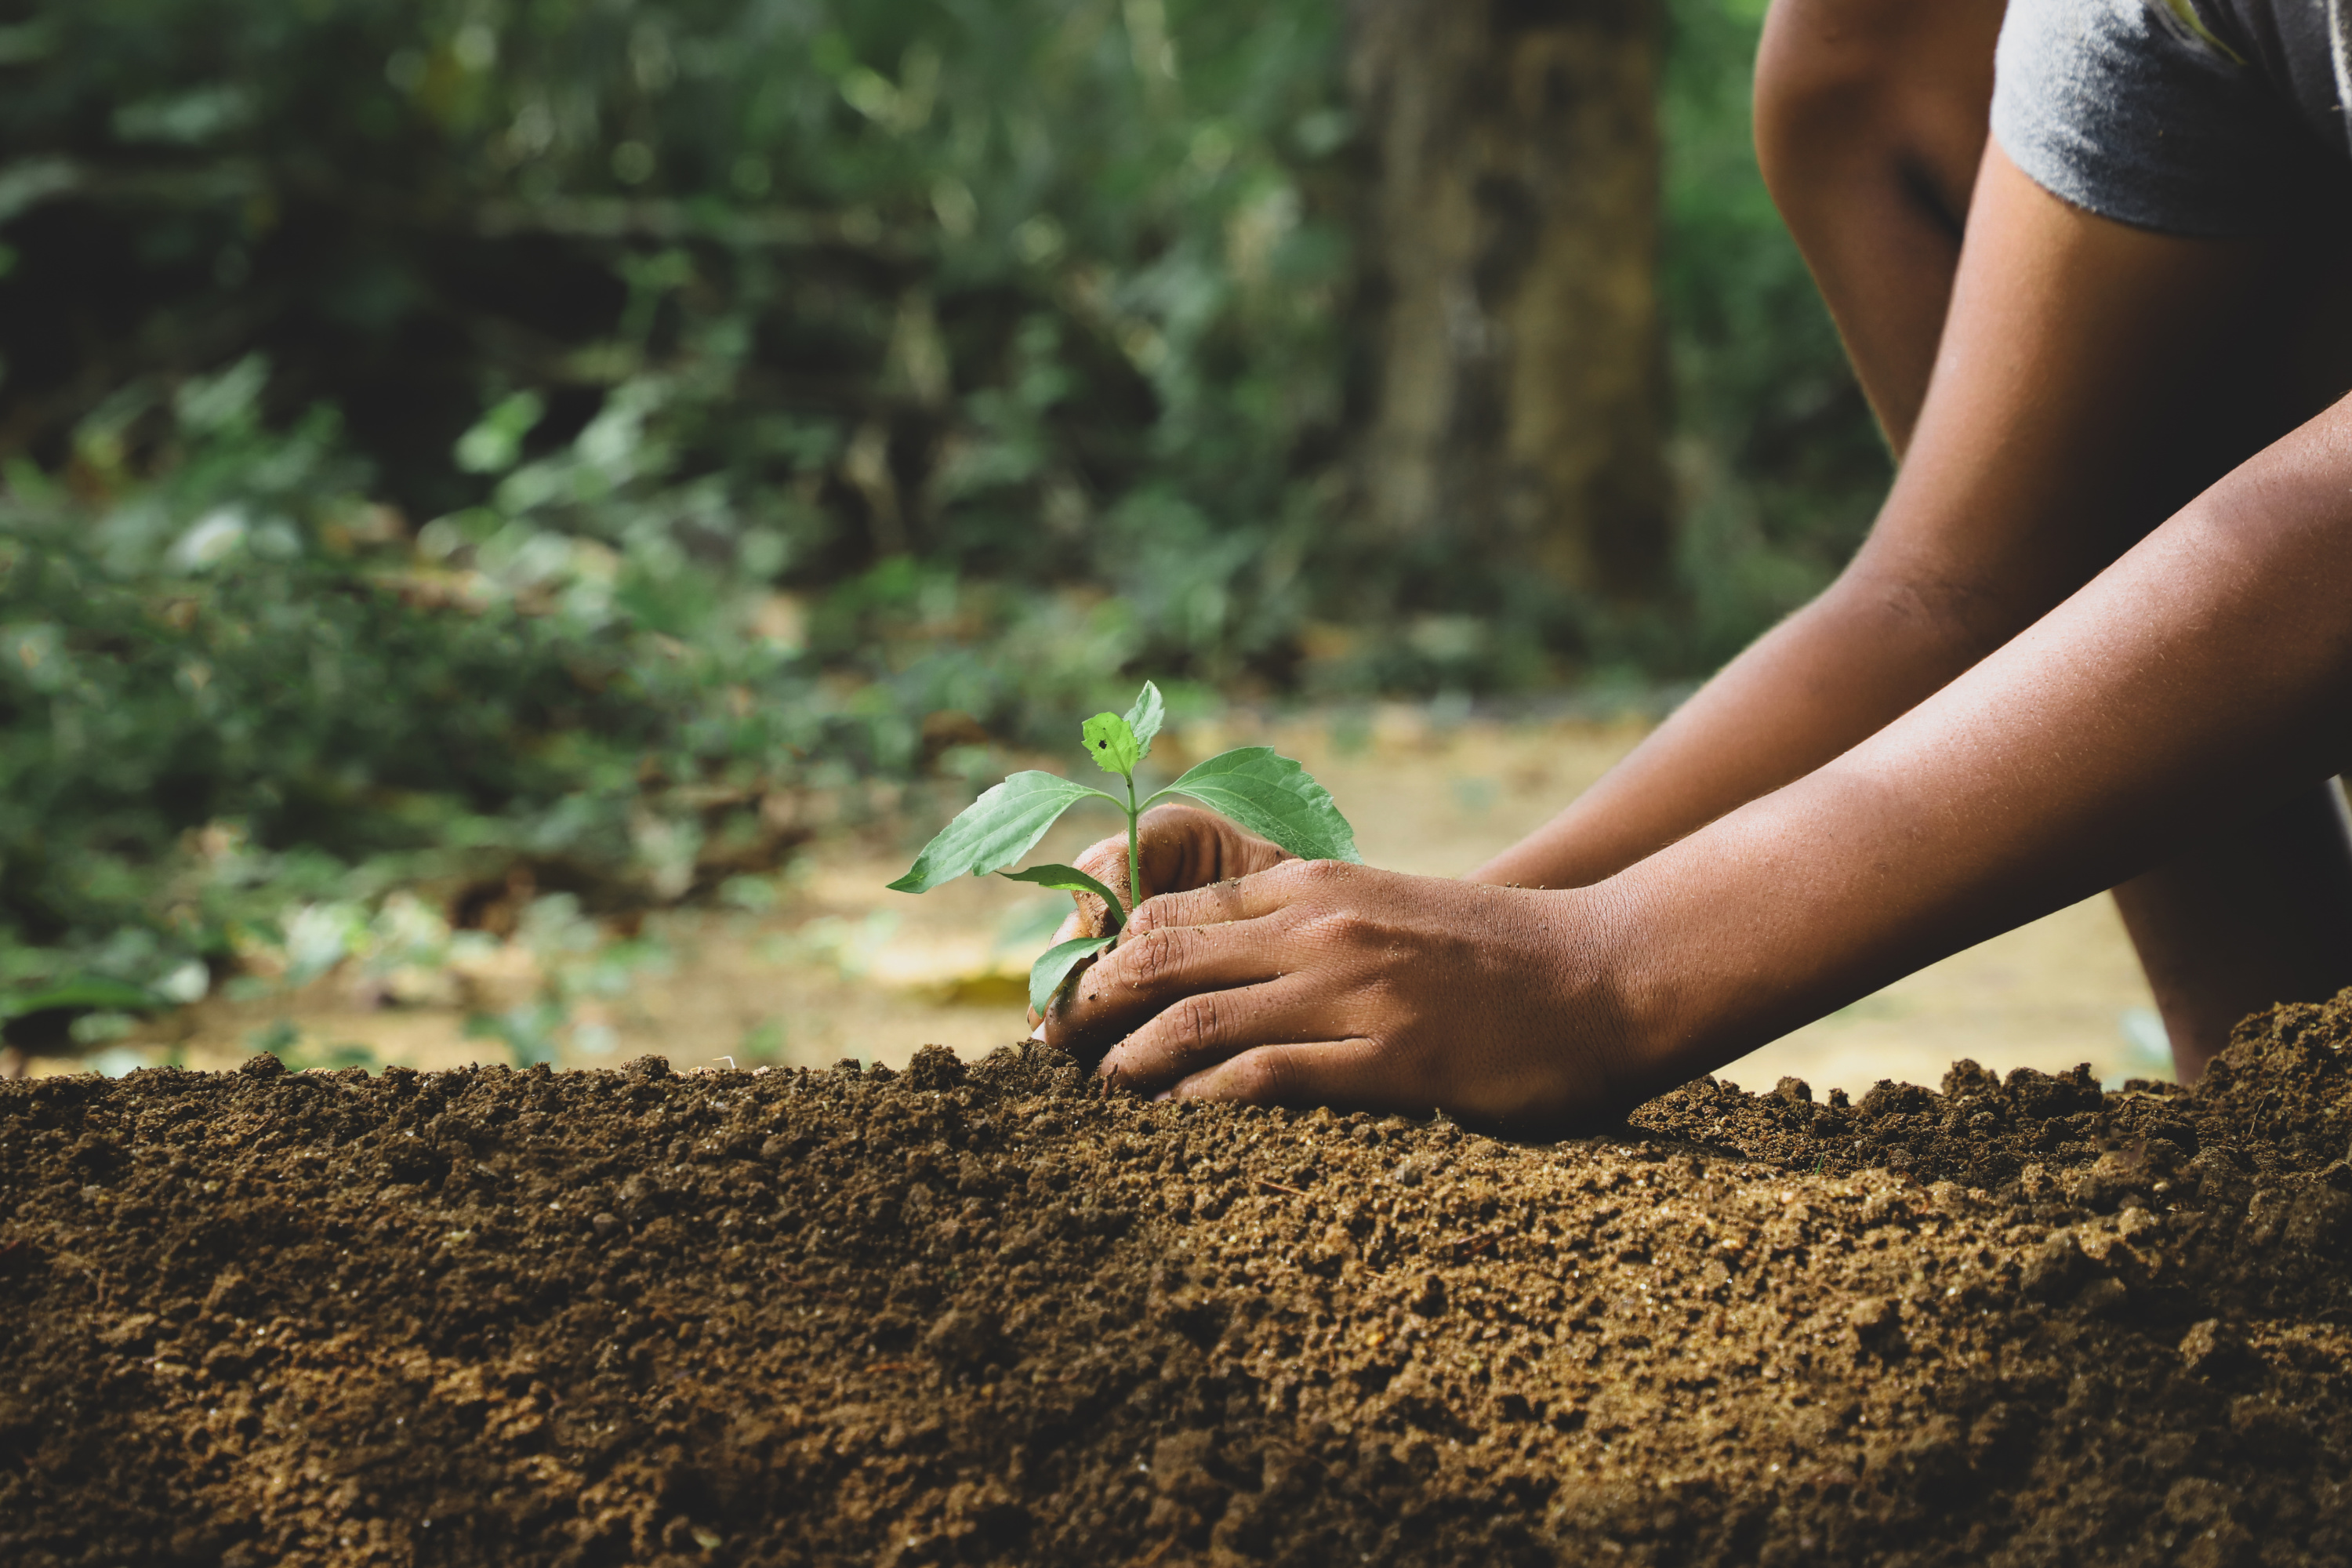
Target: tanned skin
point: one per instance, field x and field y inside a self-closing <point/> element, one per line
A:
<point x="2098" y="637"/>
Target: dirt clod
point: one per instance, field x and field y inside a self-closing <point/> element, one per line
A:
<point x="982" y="1315"/>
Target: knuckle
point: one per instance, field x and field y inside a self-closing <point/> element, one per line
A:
<point x="1159" y="957"/>
<point x="1300" y="881"/>
<point x="1321" y="873"/>
<point x="1261" y="1077"/>
<point x="1194" y="1023"/>
<point x="1288" y="876"/>
<point x="1170" y="819"/>
<point x="1174" y="912"/>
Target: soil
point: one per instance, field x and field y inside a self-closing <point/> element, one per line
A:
<point x="981" y="1315"/>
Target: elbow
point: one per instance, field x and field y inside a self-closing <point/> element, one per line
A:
<point x="1913" y="614"/>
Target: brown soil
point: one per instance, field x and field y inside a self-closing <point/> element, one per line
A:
<point x="491" y="1317"/>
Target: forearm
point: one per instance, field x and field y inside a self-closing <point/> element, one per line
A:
<point x="2207" y="673"/>
<point x="2061" y="429"/>
<point x="2059" y="717"/>
<point x="1837" y="671"/>
<point x="1870" y="126"/>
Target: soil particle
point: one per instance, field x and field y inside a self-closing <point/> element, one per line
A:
<point x="980" y="1315"/>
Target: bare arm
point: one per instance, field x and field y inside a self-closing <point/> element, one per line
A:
<point x="2204" y="673"/>
<point x="2207" y="673"/>
<point x="2083" y="392"/>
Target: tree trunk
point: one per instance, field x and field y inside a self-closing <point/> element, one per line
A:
<point x="1513" y="258"/>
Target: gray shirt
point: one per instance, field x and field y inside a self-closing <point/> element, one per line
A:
<point x="2196" y="117"/>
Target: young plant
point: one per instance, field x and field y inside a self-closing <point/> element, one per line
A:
<point x="1270" y="796"/>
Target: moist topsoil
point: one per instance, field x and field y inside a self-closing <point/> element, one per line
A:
<point x="980" y="1315"/>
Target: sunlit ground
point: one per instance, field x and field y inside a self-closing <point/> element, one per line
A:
<point x="837" y="966"/>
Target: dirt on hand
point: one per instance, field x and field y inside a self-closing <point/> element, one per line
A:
<point x="981" y="1315"/>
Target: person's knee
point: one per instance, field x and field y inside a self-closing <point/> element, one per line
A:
<point x="1823" y="73"/>
<point x="1893" y="85"/>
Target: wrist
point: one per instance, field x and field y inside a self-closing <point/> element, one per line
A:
<point x="1619" y="1016"/>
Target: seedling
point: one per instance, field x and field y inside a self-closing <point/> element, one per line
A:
<point x="1268" y="794"/>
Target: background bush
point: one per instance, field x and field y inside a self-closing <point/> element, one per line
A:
<point x="1780" y="464"/>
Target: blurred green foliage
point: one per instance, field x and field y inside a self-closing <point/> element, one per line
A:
<point x="451" y="436"/>
<point x="234" y="698"/>
<point x="767" y="378"/>
<point x="1780" y="465"/>
<point x="1032" y="291"/>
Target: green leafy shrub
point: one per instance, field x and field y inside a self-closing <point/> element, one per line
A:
<point x="232" y="689"/>
<point x="1036" y="293"/>
<point x="1782" y="468"/>
<point x="1053" y="293"/>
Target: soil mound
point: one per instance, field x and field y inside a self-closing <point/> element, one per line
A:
<point x="983" y="1316"/>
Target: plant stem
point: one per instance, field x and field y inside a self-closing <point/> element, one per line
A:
<point x="1134" y="851"/>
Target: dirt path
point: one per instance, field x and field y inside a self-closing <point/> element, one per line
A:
<point x="840" y="966"/>
<point x="980" y="1316"/>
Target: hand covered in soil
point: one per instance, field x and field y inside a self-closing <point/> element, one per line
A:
<point x="1183" y="847"/>
<point x="1323" y="984"/>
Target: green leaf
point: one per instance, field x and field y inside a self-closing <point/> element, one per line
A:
<point x="995" y="830"/>
<point x="1070" y="879"/>
<point x="1275" y="798"/>
<point x="1144" y="719"/>
<point x="1056" y="964"/>
<point x="1112" y="744"/>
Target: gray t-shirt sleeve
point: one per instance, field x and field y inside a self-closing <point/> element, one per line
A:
<point x="2135" y="111"/>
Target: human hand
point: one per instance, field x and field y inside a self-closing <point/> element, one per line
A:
<point x="1183" y="847"/>
<point x="1315" y="982"/>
